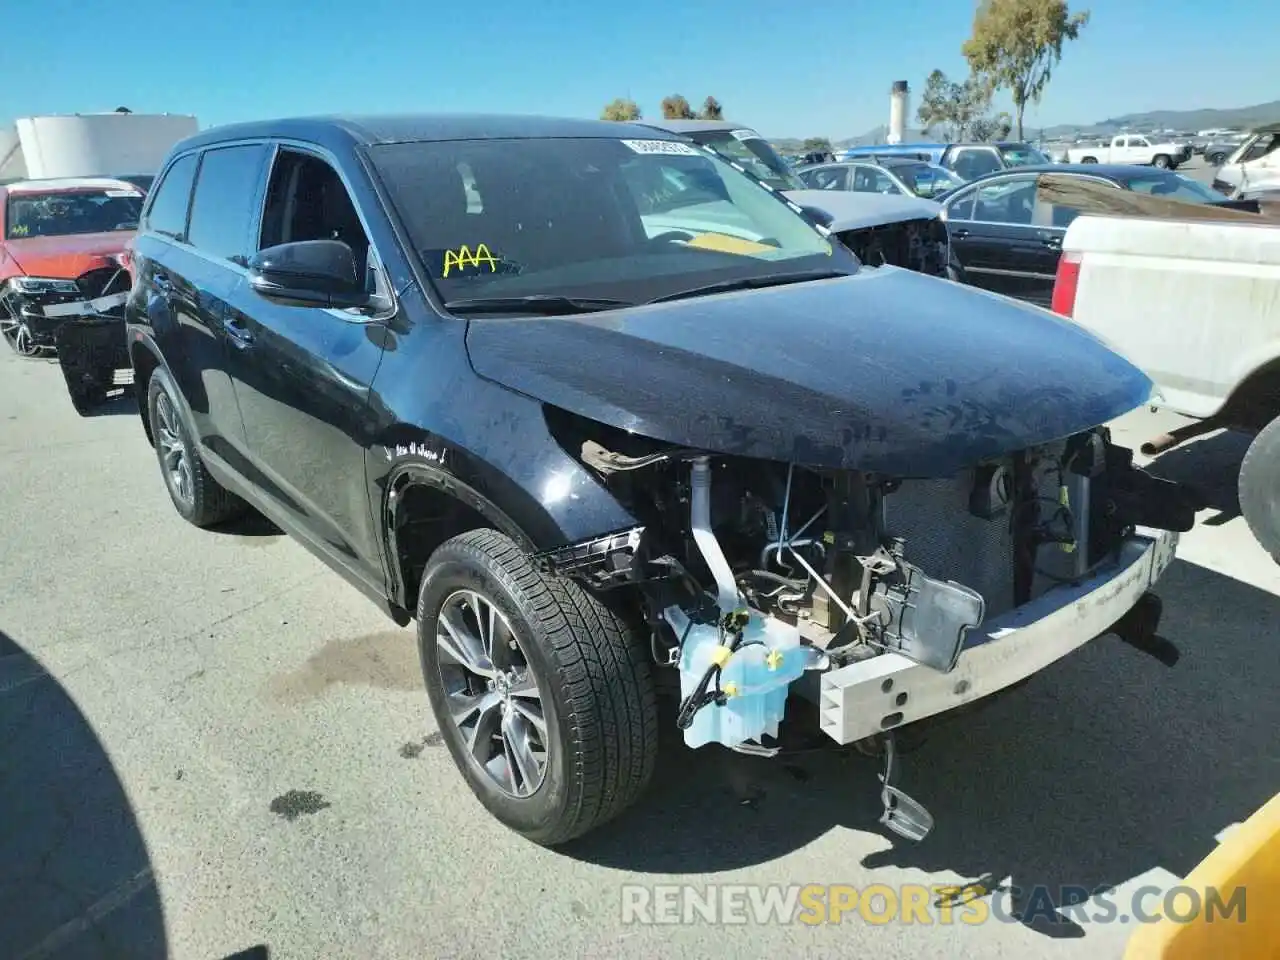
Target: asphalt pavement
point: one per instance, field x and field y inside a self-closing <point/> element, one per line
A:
<point x="214" y="747"/>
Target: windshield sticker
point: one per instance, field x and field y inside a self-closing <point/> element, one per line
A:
<point x="467" y="261"/>
<point x="746" y="135"/>
<point x="723" y="243"/>
<point x="463" y="259"/>
<point x="19" y="230"/>
<point x="666" y="147"/>
<point x="122" y="193"/>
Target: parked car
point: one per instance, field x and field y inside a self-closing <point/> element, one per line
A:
<point x="63" y="277"/>
<point x="966" y="160"/>
<point x="1256" y="159"/>
<point x="878" y="229"/>
<point x="1216" y="151"/>
<point x="889" y="176"/>
<point x="1133" y="149"/>
<point x="1009" y="242"/>
<point x="595" y="456"/>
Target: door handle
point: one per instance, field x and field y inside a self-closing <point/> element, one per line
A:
<point x="238" y="332"/>
<point x="960" y="233"/>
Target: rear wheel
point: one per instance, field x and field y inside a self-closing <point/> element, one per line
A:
<point x="1217" y="159"/>
<point x="1259" y="488"/>
<point x="543" y="695"/>
<point x="198" y="497"/>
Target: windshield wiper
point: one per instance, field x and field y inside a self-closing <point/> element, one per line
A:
<point x="752" y="283"/>
<point x="543" y="304"/>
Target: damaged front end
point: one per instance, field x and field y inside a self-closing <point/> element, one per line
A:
<point x="921" y="244"/>
<point x="82" y="319"/>
<point x="885" y="600"/>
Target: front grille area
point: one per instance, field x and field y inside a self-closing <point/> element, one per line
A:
<point x="103" y="282"/>
<point x="919" y="245"/>
<point x="948" y="542"/>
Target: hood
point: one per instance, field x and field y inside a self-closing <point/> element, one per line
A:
<point x="853" y="210"/>
<point x="888" y="371"/>
<point x="66" y="258"/>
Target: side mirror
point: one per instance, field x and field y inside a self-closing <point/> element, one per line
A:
<point x="309" y="273"/>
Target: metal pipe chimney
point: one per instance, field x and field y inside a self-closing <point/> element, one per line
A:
<point x="898" y="97"/>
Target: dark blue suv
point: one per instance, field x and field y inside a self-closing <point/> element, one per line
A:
<point x="610" y="418"/>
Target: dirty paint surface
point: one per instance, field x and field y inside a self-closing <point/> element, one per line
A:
<point x="888" y="370"/>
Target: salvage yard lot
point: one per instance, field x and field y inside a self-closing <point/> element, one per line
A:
<point x="213" y="743"/>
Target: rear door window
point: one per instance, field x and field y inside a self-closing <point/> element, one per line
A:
<point x="167" y="214"/>
<point x="973" y="162"/>
<point x="1010" y="201"/>
<point x="225" y="202"/>
<point x="826" y="178"/>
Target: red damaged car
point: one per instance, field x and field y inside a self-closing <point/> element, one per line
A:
<point x="64" y="275"/>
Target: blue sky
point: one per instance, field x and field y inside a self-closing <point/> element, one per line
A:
<point x="788" y="69"/>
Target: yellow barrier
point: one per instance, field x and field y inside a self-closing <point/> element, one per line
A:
<point x="1249" y="857"/>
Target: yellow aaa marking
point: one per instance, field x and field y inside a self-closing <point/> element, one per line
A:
<point x="463" y="258"/>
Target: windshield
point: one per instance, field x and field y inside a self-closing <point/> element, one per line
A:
<point x="754" y="153"/>
<point x="1173" y="186"/>
<point x="627" y="220"/>
<point x="1022" y="155"/>
<point x="925" y="179"/>
<point x="68" y="212"/>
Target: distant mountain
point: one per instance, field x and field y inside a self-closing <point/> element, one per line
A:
<point x="1240" y="118"/>
<point x="1190" y="121"/>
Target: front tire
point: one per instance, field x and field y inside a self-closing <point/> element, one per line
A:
<point x="542" y="693"/>
<point x="1161" y="162"/>
<point x="1259" y="488"/>
<point x="197" y="497"/>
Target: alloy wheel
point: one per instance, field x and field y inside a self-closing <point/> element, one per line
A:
<point x="175" y="459"/>
<point x="493" y="697"/>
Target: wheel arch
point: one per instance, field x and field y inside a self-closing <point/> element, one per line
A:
<point x="423" y="507"/>
<point x="144" y="357"/>
<point x="1255" y="400"/>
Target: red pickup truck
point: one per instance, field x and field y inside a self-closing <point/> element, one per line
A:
<point x="64" y="275"/>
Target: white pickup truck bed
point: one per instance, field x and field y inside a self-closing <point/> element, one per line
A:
<point x="1195" y="305"/>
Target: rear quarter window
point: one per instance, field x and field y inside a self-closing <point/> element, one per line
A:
<point x="167" y="213"/>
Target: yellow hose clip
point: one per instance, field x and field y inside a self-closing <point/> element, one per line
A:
<point x="773" y="659"/>
<point x="720" y="655"/>
<point x="1065" y="499"/>
<point x="729" y="689"/>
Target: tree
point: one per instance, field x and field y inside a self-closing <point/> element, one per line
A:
<point x="676" y="107"/>
<point x="1016" y="44"/>
<point x="955" y="107"/>
<point x="620" y="109"/>
<point x="986" y="129"/>
<point x="817" y="145"/>
<point x="711" y="109"/>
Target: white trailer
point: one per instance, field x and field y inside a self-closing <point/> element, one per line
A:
<point x="90" y="144"/>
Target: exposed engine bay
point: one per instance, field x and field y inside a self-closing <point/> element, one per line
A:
<point x="921" y="244"/>
<point x="754" y="573"/>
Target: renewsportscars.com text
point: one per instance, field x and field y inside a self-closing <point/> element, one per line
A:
<point x="816" y="904"/>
